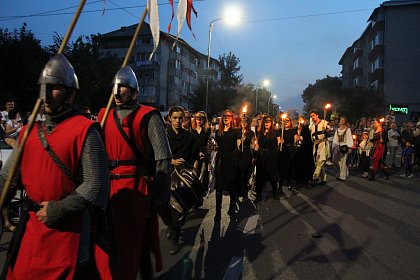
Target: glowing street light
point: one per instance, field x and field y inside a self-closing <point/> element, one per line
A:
<point x="268" y="102"/>
<point x="231" y="16"/>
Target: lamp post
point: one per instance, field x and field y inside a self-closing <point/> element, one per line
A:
<point x="264" y="83"/>
<point x="232" y="16"/>
<point x="208" y="62"/>
<point x="268" y="102"/>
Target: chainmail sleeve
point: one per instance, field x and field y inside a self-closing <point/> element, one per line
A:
<point x="162" y="154"/>
<point x="94" y="165"/>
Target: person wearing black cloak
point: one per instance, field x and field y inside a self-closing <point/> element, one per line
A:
<point x="245" y="156"/>
<point x="226" y="164"/>
<point x="185" y="153"/>
<point x="267" y="159"/>
<point x="286" y="153"/>
<point x="303" y="163"/>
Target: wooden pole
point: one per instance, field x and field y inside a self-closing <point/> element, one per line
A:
<point x="34" y="113"/>
<point x="126" y="59"/>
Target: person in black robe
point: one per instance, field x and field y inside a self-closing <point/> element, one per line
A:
<point x="201" y="131"/>
<point x="303" y="162"/>
<point x="268" y="140"/>
<point x="245" y="156"/>
<point x="185" y="153"/>
<point x="226" y="165"/>
<point x="286" y="154"/>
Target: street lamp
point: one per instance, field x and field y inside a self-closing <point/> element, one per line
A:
<point x="265" y="83"/>
<point x="268" y="102"/>
<point x="232" y="16"/>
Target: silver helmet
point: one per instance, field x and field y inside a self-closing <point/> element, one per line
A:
<point x="125" y="77"/>
<point x="58" y="71"/>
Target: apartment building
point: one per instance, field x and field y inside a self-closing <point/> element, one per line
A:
<point x="174" y="71"/>
<point x="386" y="57"/>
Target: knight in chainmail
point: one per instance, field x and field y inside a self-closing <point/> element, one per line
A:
<point x="139" y="158"/>
<point x="63" y="170"/>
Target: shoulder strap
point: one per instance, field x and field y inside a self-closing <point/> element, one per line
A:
<point x="54" y="157"/>
<point x="124" y="135"/>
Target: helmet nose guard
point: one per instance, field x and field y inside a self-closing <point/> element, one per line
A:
<point x="125" y="77"/>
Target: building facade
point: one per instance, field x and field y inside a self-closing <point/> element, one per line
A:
<point x="386" y="57"/>
<point x="173" y="73"/>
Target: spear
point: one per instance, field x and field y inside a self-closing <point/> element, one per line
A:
<point x="127" y="57"/>
<point x="32" y="118"/>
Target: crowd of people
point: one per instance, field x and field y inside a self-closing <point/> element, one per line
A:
<point x="144" y="166"/>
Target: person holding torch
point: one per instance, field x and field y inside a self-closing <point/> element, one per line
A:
<point x="319" y="131"/>
<point x="379" y="134"/>
<point x="246" y="148"/>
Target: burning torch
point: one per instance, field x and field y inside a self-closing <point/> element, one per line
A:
<point x="283" y="117"/>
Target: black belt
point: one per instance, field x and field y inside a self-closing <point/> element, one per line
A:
<point x="113" y="176"/>
<point x="118" y="162"/>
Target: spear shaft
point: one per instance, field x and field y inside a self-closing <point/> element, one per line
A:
<point x="126" y="59"/>
<point x="34" y="113"/>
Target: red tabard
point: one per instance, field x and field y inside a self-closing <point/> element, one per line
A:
<point x="47" y="253"/>
<point x="129" y="198"/>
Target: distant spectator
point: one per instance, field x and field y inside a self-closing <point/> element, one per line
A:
<point x="390" y="118"/>
<point x="14" y="124"/>
<point x="393" y="137"/>
<point x="408" y="159"/>
<point x="365" y="148"/>
<point x="9" y="105"/>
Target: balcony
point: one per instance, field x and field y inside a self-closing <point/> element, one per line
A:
<point x="357" y="72"/>
<point x="357" y="52"/>
<point x="377" y="50"/>
<point x="377" y="74"/>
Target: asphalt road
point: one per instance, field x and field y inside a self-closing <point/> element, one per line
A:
<point x="356" y="229"/>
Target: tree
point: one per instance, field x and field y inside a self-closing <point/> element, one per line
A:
<point x="20" y="68"/>
<point x="223" y="94"/>
<point x="353" y="103"/>
<point x="327" y="90"/>
<point x="230" y="77"/>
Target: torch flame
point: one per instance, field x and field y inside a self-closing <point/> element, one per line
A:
<point x="382" y="120"/>
<point x="354" y="136"/>
<point x="327" y="106"/>
<point x="244" y="109"/>
<point x="283" y="116"/>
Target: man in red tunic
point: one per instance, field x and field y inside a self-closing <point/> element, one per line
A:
<point x="62" y="180"/>
<point x="139" y="159"/>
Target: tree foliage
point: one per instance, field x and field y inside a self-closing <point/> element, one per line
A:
<point x="352" y="103"/>
<point x="230" y="77"/>
<point x="20" y="68"/>
<point x="22" y="59"/>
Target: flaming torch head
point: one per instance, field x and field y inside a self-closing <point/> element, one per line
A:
<point x="327" y="106"/>
<point x="244" y="115"/>
<point x="382" y="120"/>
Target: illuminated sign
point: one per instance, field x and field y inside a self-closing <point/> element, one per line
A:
<point x="399" y="109"/>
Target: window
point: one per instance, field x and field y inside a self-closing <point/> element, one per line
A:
<point x="142" y="57"/>
<point x="378" y="39"/>
<point x="357" y="82"/>
<point x="377" y="64"/>
<point x="357" y="64"/>
<point x="146" y="40"/>
<point x="174" y="80"/>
